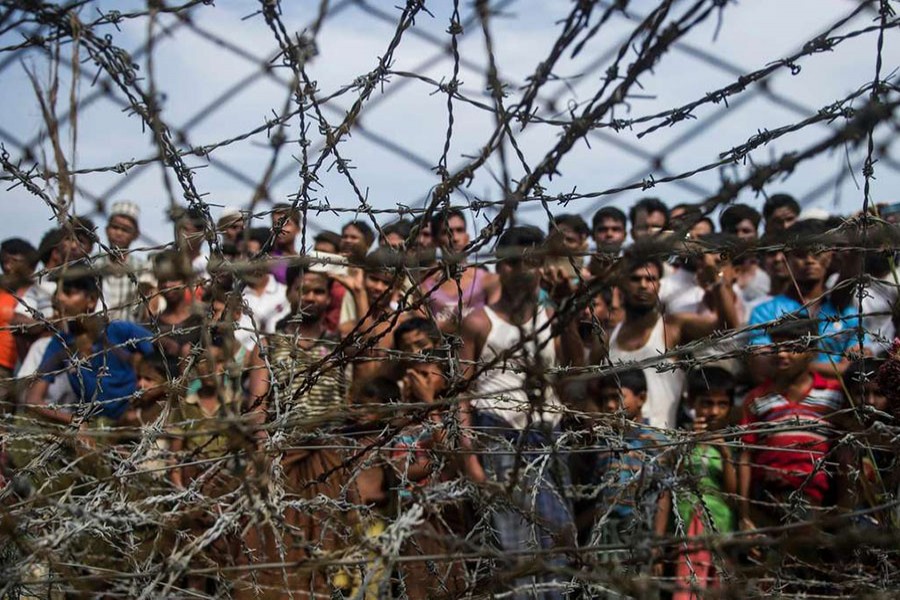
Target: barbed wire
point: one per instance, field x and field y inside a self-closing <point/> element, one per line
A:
<point x="261" y="496"/>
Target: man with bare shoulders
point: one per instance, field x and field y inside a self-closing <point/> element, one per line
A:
<point x="646" y="336"/>
<point x="508" y="348"/>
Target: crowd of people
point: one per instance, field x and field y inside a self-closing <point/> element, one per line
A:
<point x="646" y="404"/>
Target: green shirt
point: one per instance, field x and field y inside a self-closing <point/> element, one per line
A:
<point x="705" y="474"/>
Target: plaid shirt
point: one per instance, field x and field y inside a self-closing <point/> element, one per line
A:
<point x="120" y="292"/>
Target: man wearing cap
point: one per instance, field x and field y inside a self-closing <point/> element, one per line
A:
<point x="125" y="275"/>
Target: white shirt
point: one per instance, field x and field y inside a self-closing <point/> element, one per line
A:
<point x="265" y="310"/>
<point x="663" y="387"/>
<point x="39" y="297"/>
<point x="60" y="392"/>
<point x="500" y="390"/>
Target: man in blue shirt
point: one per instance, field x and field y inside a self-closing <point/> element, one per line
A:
<point x="807" y="297"/>
<point x="99" y="358"/>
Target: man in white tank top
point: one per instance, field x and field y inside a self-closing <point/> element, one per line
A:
<point x="506" y="352"/>
<point x="646" y="336"/>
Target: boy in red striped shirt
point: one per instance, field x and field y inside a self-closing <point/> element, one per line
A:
<point x="789" y="435"/>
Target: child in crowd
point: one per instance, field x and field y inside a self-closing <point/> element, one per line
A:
<point x="627" y="501"/>
<point x="789" y="433"/>
<point x="869" y="472"/>
<point x="704" y="505"/>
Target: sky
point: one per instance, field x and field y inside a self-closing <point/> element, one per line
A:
<point x="211" y="93"/>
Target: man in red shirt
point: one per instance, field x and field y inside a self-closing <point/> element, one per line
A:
<point x="782" y="471"/>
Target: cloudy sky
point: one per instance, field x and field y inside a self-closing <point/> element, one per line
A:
<point x="214" y="86"/>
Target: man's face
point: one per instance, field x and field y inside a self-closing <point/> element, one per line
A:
<point x="614" y="399"/>
<point x="72" y="301"/>
<point x="431" y="372"/>
<point x="353" y="242"/>
<point x="172" y="290"/>
<point x="783" y="218"/>
<point x="572" y="241"/>
<point x="312" y="292"/>
<point x="415" y="341"/>
<point x="425" y="240"/>
<point x="808" y="267"/>
<point x="233" y="229"/>
<point x="745" y="230"/>
<point x="522" y="276"/>
<point x="378" y="286"/>
<point x="289" y="229"/>
<point x="75" y="247"/>
<point x="16" y="267"/>
<point x="700" y="228"/>
<point x="641" y="287"/>
<point x="610" y="232"/>
<point x="121" y="232"/>
<point x="775" y="265"/>
<point x="713" y="406"/>
<point x="453" y="235"/>
<point x="647" y="224"/>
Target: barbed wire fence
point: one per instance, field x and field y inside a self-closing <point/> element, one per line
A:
<point x="286" y="508"/>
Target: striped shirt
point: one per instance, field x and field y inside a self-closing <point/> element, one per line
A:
<point x="788" y="438"/>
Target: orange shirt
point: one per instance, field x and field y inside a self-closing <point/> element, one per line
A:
<point x="8" y="355"/>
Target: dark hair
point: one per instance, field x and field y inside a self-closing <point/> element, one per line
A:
<point x="516" y="241"/>
<point x="608" y="212"/>
<point x="402" y="228"/>
<point x="732" y="216"/>
<point x="439" y="220"/>
<point x="794" y="329"/>
<point x="692" y="212"/>
<point x="632" y="379"/>
<point x="329" y="237"/>
<point x="82" y="228"/>
<point x="161" y="363"/>
<point x="20" y="247"/>
<point x="574" y="222"/>
<point x="777" y="201"/>
<point x="865" y="369"/>
<point x="649" y="205"/>
<point x="708" y="379"/>
<point x="644" y="253"/>
<point x="705" y="219"/>
<point x="383" y="388"/>
<point x="426" y="326"/>
<point x="49" y="242"/>
<point x="384" y="260"/>
<point x="260" y="235"/>
<point x="284" y="207"/>
<point x="79" y="275"/>
<point x="297" y="271"/>
<point x="364" y="229"/>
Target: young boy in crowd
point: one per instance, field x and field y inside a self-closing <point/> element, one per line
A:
<point x="627" y="501"/>
<point x="98" y="357"/>
<point x="704" y="505"/>
<point x="789" y="433"/>
<point x="869" y="473"/>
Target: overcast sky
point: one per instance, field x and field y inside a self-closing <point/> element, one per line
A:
<point x="404" y="122"/>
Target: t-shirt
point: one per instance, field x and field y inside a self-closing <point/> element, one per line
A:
<point x="837" y="326"/>
<point x="303" y="385"/>
<point x="626" y="472"/>
<point x="8" y="355"/>
<point x="106" y="378"/>
<point x="787" y="457"/>
<point x="205" y="432"/>
<point x="705" y="469"/>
